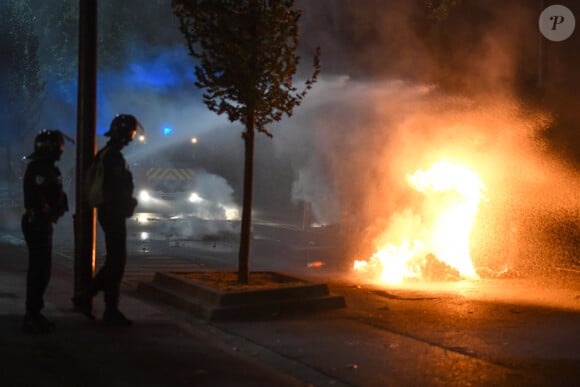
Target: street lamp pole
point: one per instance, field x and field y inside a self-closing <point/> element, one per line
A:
<point x="84" y="218"/>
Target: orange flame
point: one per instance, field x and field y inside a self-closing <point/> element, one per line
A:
<point x="441" y="229"/>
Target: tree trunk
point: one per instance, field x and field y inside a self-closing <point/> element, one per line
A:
<point x="245" y="235"/>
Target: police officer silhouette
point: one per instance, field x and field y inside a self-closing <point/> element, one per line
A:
<point x="45" y="202"/>
<point x="118" y="205"/>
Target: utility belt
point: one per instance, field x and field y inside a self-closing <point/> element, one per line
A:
<point x="29" y="215"/>
<point x="52" y="215"/>
<point x="32" y="216"/>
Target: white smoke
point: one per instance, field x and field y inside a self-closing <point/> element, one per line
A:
<point x="214" y="198"/>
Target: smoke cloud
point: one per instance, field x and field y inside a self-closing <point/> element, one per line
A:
<point x="398" y="93"/>
<point x="458" y="91"/>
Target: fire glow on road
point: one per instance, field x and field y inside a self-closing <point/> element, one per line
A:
<point x="438" y="229"/>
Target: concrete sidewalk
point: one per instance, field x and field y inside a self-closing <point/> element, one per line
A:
<point x="382" y="338"/>
<point x="160" y="349"/>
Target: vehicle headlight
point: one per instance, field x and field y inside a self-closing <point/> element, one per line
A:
<point x="195" y="198"/>
<point x="144" y="196"/>
<point x="142" y="219"/>
<point x="231" y="213"/>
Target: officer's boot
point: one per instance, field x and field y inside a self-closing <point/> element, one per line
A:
<point x="83" y="303"/>
<point x="36" y="323"/>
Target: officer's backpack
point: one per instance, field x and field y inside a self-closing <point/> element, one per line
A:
<point x="94" y="178"/>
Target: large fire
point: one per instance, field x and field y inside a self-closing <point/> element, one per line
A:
<point x="434" y="237"/>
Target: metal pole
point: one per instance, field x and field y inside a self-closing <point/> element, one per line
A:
<point x="84" y="218"/>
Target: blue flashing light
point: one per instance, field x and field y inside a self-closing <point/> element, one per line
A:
<point x="167" y="131"/>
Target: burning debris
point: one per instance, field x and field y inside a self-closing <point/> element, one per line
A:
<point x="432" y="269"/>
<point x="439" y="229"/>
<point x="426" y="268"/>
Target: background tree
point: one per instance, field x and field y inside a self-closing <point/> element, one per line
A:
<point x="127" y="31"/>
<point x="245" y="53"/>
<point x="22" y="86"/>
<point x="21" y="91"/>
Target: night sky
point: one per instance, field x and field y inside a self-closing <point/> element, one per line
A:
<point x="390" y="76"/>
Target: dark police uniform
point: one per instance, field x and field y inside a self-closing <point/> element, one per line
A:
<point x="45" y="202"/>
<point x="117" y="206"/>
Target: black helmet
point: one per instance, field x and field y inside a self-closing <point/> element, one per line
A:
<point x="123" y="128"/>
<point x="49" y="143"/>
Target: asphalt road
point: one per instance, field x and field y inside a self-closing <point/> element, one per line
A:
<point x="513" y="331"/>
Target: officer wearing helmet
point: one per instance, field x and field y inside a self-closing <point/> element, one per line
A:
<point x="118" y="204"/>
<point x="45" y="202"/>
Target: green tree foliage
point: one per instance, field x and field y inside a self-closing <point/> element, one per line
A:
<point x="22" y="87"/>
<point x="245" y="52"/>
